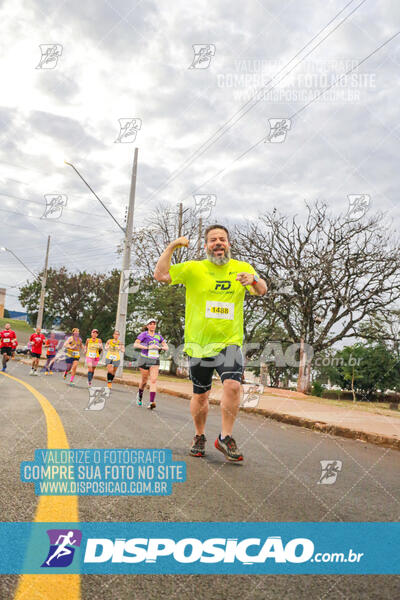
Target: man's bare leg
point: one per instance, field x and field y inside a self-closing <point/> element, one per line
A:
<point x="229" y="405"/>
<point x="199" y="411"/>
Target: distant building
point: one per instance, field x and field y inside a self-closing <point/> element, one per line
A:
<point x="18" y="315"/>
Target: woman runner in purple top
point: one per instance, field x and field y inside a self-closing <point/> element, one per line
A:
<point x="149" y="343"/>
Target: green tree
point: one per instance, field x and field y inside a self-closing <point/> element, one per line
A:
<point x="83" y="300"/>
<point x="265" y="347"/>
<point x="365" y="369"/>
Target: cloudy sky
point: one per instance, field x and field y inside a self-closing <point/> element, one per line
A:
<point x="135" y="60"/>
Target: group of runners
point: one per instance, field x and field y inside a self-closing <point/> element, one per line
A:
<point x="9" y="344"/>
<point x="215" y="291"/>
<point x="149" y="342"/>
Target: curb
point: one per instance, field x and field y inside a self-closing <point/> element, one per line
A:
<point x="322" y="427"/>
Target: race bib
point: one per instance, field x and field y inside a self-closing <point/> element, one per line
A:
<point x="220" y="310"/>
<point x="112" y="357"/>
<point x="92" y="355"/>
<point x="6" y="339"/>
<point x="153" y="354"/>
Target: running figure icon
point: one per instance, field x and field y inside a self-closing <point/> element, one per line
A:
<point x="62" y="549"/>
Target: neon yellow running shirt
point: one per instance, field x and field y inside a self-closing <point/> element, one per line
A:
<point x="93" y="347"/>
<point x="113" y="349"/>
<point x="214" y="304"/>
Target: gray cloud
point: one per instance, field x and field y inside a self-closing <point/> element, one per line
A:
<point x="138" y="67"/>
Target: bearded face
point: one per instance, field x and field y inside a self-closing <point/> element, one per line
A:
<point x="220" y="258"/>
<point x="218" y="247"/>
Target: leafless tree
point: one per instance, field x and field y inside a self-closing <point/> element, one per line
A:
<point x="326" y="274"/>
<point x="162" y="227"/>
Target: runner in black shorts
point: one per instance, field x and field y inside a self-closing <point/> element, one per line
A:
<point x="215" y="290"/>
<point x="228" y="364"/>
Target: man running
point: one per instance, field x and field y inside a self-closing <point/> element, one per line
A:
<point x="8" y="343"/>
<point x="93" y="349"/>
<point x="73" y="347"/>
<point x="149" y="343"/>
<point x="113" y="357"/>
<point x="215" y="290"/>
<point x="37" y="340"/>
<point x="51" y="350"/>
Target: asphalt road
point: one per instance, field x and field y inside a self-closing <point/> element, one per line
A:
<point x="276" y="482"/>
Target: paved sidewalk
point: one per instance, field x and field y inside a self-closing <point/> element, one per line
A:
<point x="376" y="425"/>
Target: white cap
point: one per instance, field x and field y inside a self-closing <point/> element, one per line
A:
<point x="150" y="321"/>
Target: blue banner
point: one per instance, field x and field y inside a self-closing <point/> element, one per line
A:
<point x="200" y="548"/>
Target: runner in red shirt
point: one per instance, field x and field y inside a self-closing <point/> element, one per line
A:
<point x="37" y="340"/>
<point x="7" y="341"/>
<point x="51" y="345"/>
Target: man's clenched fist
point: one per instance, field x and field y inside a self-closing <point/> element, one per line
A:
<point x="180" y="242"/>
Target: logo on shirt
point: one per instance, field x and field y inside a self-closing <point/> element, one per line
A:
<point x="222" y="285"/>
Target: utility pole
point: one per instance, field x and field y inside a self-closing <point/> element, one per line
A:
<point x="39" y="321"/>
<point x="122" y="309"/>
<point x="2" y="301"/>
<point x="180" y="223"/>
<point x="199" y="244"/>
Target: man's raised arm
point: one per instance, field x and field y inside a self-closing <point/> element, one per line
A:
<point x="161" y="272"/>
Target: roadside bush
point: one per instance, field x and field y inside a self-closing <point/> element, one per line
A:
<point x="317" y="389"/>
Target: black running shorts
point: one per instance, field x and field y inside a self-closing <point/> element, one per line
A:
<point x="228" y="364"/>
<point x="145" y="362"/>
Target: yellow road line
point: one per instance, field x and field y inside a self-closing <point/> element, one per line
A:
<point x="51" y="509"/>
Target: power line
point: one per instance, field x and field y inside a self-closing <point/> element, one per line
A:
<point x="229" y="124"/>
<point x="56" y="245"/>
<point x="80" y="212"/>
<point x="56" y="221"/>
<point x="297" y="112"/>
<point x="94" y="194"/>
